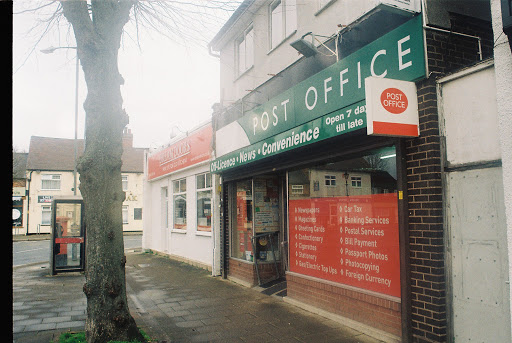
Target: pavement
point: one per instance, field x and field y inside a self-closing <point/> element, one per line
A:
<point x="172" y="302"/>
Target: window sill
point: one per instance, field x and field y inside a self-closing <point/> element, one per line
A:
<point x="243" y="73"/>
<point x="179" y="231"/>
<point x="204" y="233"/>
<point x="282" y="42"/>
<point x="324" y="7"/>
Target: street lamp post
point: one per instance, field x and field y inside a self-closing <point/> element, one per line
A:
<point x="77" y="68"/>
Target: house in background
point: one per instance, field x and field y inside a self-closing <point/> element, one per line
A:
<point x="19" y="196"/>
<point x="50" y="173"/>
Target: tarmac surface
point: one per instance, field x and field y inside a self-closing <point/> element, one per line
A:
<point x="172" y="302"/>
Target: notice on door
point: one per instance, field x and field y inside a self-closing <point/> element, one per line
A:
<point x="349" y="240"/>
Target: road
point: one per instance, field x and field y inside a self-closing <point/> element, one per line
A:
<point x="26" y="252"/>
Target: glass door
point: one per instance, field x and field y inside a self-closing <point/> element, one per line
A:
<point x="68" y="236"/>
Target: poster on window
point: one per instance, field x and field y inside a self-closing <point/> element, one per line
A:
<point x="351" y="240"/>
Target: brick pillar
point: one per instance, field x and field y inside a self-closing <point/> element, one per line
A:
<point x="426" y="231"/>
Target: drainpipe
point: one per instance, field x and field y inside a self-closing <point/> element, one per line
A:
<point x="28" y="199"/>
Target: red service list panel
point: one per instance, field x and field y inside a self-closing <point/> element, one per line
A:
<point x="349" y="240"/>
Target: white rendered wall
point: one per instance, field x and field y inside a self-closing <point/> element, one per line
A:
<point x="189" y="245"/>
<point x="503" y="67"/>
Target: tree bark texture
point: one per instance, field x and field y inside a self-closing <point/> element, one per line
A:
<point x="98" y="31"/>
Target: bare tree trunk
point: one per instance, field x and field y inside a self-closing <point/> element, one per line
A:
<point x="98" y="37"/>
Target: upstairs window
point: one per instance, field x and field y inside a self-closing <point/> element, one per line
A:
<point x="124" y="179"/>
<point x="330" y="180"/>
<point x="245" y="50"/>
<point x="283" y="21"/>
<point x="50" y="182"/>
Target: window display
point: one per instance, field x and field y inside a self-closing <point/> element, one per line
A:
<point x="204" y="202"/>
<point x="257" y="219"/>
<point x="347" y="231"/>
<point x="241" y="233"/>
<point x="180" y="204"/>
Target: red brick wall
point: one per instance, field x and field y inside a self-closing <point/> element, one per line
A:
<point x="247" y="271"/>
<point x="374" y="311"/>
<point x="445" y="53"/>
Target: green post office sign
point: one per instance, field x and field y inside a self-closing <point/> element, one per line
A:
<point x="325" y="104"/>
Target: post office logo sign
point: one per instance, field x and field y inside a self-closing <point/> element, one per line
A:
<point x="394" y="100"/>
<point x="391" y="108"/>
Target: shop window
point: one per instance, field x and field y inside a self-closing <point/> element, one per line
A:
<point x="180" y="204"/>
<point x="347" y="232"/>
<point x="50" y="182"/>
<point x="297" y="189"/>
<point x="257" y="215"/>
<point x="46" y="215"/>
<point x="241" y="230"/>
<point x="204" y="202"/>
<point x="283" y="21"/>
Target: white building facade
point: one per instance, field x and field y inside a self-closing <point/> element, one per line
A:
<point x="180" y="203"/>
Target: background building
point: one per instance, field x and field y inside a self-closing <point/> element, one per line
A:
<point x="50" y="173"/>
<point x="19" y="194"/>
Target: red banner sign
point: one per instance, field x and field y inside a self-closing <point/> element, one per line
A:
<point x="191" y="150"/>
<point x="349" y="240"/>
<point x="69" y="240"/>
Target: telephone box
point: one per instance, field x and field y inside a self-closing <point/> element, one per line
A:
<point x="67" y="245"/>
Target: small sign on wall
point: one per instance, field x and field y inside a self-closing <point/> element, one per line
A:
<point x="391" y="108"/>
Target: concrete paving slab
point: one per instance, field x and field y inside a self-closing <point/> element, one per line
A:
<point x="172" y="302"/>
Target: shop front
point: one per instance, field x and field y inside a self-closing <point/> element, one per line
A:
<point x="314" y="187"/>
<point x="179" y="201"/>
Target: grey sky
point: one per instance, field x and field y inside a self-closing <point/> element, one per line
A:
<point x="166" y="84"/>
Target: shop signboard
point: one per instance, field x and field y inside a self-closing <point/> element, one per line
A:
<point x="193" y="149"/>
<point x="391" y="108"/>
<point x="331" y="96"/>
<point x="350" y="240"/>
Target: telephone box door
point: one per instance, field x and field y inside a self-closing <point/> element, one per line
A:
<point x="68" y="236"/>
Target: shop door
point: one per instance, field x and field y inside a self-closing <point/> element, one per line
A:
<point x="268" y="232"/>
<point x="476" y="217"/>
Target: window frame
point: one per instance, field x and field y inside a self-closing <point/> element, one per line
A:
<point x="357" y="179"/>
<point x="51" y="178"/>
<point x="248" y="62"/>
<point x="125" y="214"/>
<point x="329" y="178"/>
<point x="208" y="180"/>
<point x="124" y="181"/>
<point x="287" y="29"/>
<point x="46" y="209"/>
<point x="181" y="191"/>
